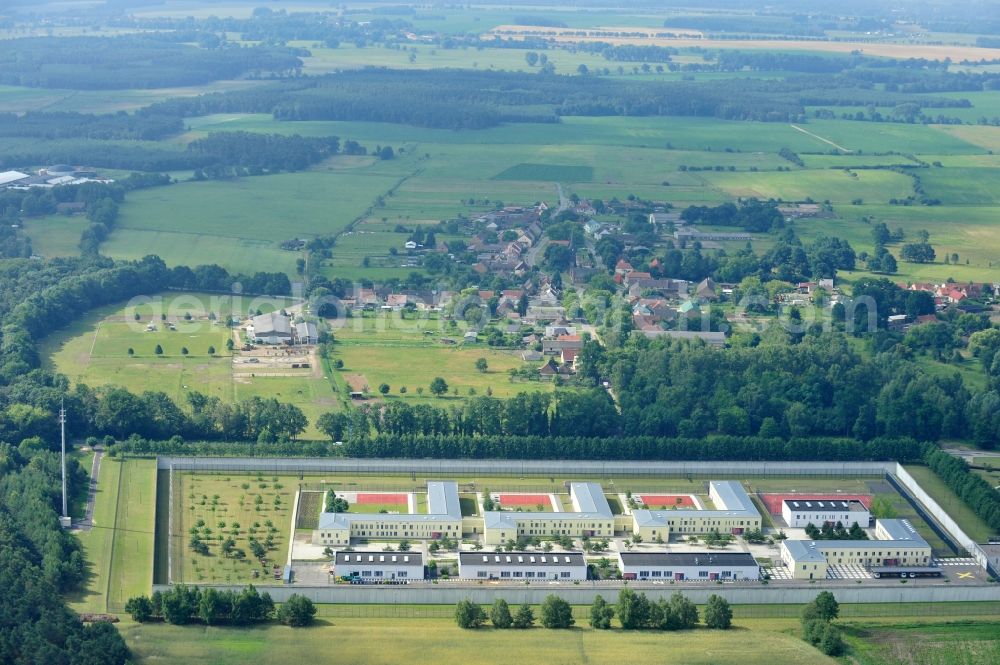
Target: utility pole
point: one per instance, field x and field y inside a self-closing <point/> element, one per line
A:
<point x="65" y="520"/>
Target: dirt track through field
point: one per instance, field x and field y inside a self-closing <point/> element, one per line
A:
<point x="820" y="138"/>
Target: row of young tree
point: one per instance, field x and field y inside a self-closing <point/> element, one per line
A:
<point x="708" y="448"/>
<point x="181" y="605"/>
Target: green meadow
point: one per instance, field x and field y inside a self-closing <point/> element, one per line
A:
<point x="119" y="548"/>
<point x="95" y="351"/>
<point x="439" y="641"/>
<point x="411" y="352"/>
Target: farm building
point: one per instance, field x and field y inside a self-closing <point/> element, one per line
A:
<point x="688" y="566"/>
<point x="591" y="517"/>
<point x="12" y="177"/>
<point x="897" y="543"/>
<point x="272" y="328"/>
<point x="306" y="333"/>
<point x="799" y="513"/>
<point x="735" y="514"/>
<point x="443" y="518"/>
<point x="379" y="566"/>
<point x="522" y="565"/>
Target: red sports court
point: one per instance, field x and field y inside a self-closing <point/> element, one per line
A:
<point x="668" y="500"/>
<point x="773" y="501"/>
<point x="524" y="499"/>
<point x="367" y="498"/>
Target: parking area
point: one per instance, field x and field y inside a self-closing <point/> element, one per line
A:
<point x="848" y="572"/>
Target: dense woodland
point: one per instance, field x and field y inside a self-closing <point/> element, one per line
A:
<point x="38" y="562"/>
<point x="151" y="60"/>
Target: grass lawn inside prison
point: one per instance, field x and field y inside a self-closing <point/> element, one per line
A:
<point x="238" y="506"/>
<point x="971" y="524"/>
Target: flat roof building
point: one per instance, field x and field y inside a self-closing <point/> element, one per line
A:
<point x="591" y="517"/>
<point x="800" y="512"/>
<point x="522" y="566"/>
<point x="705" y="566"/>
<point x="735" y="513"/>
<point x="897" y="543"/>
<point x="443" y="518"/>
<point x="379" y="566"/>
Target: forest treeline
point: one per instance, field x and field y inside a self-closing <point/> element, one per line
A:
<point x="140" y="61"/>
<point x="39" y="562"/>
<point x="487" y="98"/>
<point x="220" y="154"/>
<point x="710" y="448"/>
<point x="818" y="387"/>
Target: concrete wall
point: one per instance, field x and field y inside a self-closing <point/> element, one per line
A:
<point x="583" y="594"/>
<point x="943" y="518"/>
<point x="517" y="468"/>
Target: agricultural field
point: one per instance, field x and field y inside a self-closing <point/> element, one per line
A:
<point x="95" y="351"/>
<point x="441" y="170"/>
<point x="240" y="223"/>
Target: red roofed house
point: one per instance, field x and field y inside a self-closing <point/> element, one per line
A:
<point x="623" y="267"/>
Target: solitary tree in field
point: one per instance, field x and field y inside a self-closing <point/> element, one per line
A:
<point x="158" y="350"/>
<point x="230" y="344"/>
<point x="482" y="365"/>
<point x="531" y="58"/>
<point x="131" y="351"/>
<point x="211" y="350"/>
<point x="439" y="386"/>
<point x="184" y="350"/>
<point x="136" y="316"/>
<point x="384" y="388"/>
